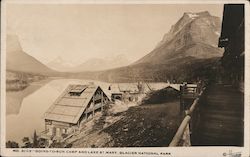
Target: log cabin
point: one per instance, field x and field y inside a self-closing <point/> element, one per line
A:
<point x="75" y="105"/>
<point x="127" y="91"/>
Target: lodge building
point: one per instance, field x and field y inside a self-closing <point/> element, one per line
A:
<point x="232" y="39"/>
<point x="127" y="91"/>
<point x="75" y="105"/>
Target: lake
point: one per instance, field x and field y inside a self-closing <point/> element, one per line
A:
<point x="33" y="107"/>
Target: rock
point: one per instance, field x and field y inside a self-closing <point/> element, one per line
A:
<point x="126" y="129"/>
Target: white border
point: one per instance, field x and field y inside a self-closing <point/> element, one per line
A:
<point x="175" y="151"/>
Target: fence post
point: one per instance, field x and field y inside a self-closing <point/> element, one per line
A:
<point x="186" y="136"/>
<point x="183" y="132"/>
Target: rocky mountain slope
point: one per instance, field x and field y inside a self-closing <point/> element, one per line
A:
<point x="187" y="52"/>
<point x="18" y="60"/>
<point x="194" y="35"/>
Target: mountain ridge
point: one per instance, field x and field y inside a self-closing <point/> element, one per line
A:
<point x="188" y="51"/>
<point x="18" y="60"/>
<point x="187" y="31"/>
<point x="93" y="64"/>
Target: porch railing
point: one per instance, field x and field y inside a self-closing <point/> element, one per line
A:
<point x="182" y="136"/>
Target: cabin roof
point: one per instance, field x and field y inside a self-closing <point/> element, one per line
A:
<point x="124" y="87"/>
<point x="174" y="86"/>
<point x="133" y="87"/>
<point x="157" y="86"/>
<point x="69" y="108"/>
<point x="162" y="85"/>
<point x="115" y="89"/>
<point x="128" y="87"/>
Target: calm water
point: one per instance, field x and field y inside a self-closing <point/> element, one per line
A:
<point x="34" y="106"/>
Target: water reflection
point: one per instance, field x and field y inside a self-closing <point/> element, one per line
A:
<point x="33" y="107"/>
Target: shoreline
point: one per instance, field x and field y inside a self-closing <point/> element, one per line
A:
<point x="14" y="98"/>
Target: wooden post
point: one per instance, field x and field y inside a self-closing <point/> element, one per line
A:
<point x="186" y="137"/>
<point x="102" y="102"/>
<point x="78" y="123"/>
<point x="188" y="124"/>
<point x="181" y="100"/>
<point x="93" y="109"/>
<point x="179" y="134"/>
<point x="60" y="132"/>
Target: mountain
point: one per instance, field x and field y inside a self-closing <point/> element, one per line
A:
<point x="18" y="60"/>
<point x="194" y="35"/>
<point x="59" y="64"/>
<point x="96" y="64"/>
<point x="187" y="52"/>
<point x="93" y="64"/>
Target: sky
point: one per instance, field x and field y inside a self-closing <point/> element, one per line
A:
<point x="78" y="32"/>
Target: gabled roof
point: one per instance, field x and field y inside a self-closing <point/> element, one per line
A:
<point x="128" y="87"/>
<point x="69" y="108"/>
<point x="124" y="87"/>
<point x="157" y="86"/>
<point x="162" y="85"/>
<point x="172" y="88"/>
<point x="175" y="86"/>
<point x="133" y="87"/>
<point x="114" y="88"/>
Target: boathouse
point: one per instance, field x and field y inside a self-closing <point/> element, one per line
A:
<point x="75" y="105"/>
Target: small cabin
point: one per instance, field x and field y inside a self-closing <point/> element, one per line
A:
<point x="126" y="91"/>
<point x="190" y="91"/>
<point x="75" y="105"/>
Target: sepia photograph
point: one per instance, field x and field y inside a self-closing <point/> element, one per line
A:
<point x="124" y="78"/>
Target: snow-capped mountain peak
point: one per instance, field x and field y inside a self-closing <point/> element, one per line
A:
<point x="192" y="15"/>
<point x="60" y="64"/>
<point x="193" y="35"/>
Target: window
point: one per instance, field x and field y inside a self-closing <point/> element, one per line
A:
<point x="98" y="101"/>
<point x="77" y="90"/>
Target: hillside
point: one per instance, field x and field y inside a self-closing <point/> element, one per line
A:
<point x="187" y="52"/>
<point x="18" y="60"/>
<point x="194" y="35"/>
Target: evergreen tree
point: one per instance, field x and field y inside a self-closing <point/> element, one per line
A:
<point x="27" y="143"/>
<point x="12" y="144"/>
<point x="35" y="140"/>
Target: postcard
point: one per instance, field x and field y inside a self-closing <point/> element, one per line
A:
<point x="125" y="78"/>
